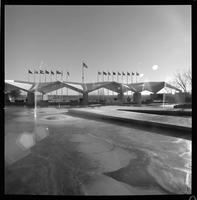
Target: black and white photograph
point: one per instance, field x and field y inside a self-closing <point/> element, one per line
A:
<point x="98" y="100"/>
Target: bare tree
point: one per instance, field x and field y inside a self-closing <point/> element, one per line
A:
<point x="15" y="93"/>
<point x="189" y="78"/>
<point x="183" y="80"/>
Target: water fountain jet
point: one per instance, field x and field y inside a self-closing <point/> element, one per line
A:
<point x="35" y="105"/>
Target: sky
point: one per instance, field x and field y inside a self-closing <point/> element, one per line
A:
<point x="152" y="40"/>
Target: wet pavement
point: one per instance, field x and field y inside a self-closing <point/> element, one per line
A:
<point x="59" y="154"/>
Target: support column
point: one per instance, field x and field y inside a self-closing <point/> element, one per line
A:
<point x="44" y="100"/>
<point x="121" y="97"/>
<point x="45" y="97"/>
<point x="85" y="98"/>
<point x="30" y="98"/>
<point x="137" y="98"/>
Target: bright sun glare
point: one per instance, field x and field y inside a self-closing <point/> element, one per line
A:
<point x="155" y="67"/>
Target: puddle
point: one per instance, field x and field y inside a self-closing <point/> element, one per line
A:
<point x="135" y="173"/>
<point x="147" y="173"/>
<point x="104" y="185"/>
<point x="58" y="117"/>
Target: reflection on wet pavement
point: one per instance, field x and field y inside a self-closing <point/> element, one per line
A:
<point x="60" y="154"/>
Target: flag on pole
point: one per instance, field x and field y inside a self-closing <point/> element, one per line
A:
<point x="123" y="73"/>
<point x="114" y="73"/>
<point x="35" y="72"/>
<point x="41" y="72"/>
<point x="119" y="73"/>
<point x="84" y="65"/>
<point x="46" y="72"/>
<point x="109" y="73"/>
<point x="99" y="73"/>
<point x="128" y="74"/>
<point x="137" y="74"/>
<point x="68" y="74"/>
<point x="104" y="73"/>
<point x="58" y="72"/>
<point x="52" y="72"/>
<point x="133" y="73"/>
<point x="30" y="72"/>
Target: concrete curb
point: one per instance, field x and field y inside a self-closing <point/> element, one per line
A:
<point x="162" y="112"/>
<point x="159" y="125"/>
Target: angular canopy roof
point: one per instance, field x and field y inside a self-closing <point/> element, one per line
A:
<point x="152" y="86"/>
<point x="22" y="85"/>
<point x="87" y="87"/>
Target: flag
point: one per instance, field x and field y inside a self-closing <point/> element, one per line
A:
<point x="58" y="72"/>
<point x="84" y="65"/>
<point x="128" y="74"/>
<point x="52" y="72"/>
<point x="137" y="74"/>
<point x="104" y="73"/>
<point x="46" y="72"/>
<point x="99" y="73"/>
<point x="123" y="73"/>
<point x="41" y="72"/>
<point x="133" y="73"/>
<point x="114" y="73"/>
<point x="109" y="73"/>
<point x="30" y="72"/>
<point x="119" y="73"/>
<point x="35" y="72"/>
<point x="68" y="74"/>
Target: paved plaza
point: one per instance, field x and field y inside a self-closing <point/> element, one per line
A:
<point x="58" y="153"/>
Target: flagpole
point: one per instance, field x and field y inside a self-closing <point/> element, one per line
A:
<point x="108" y="81"/>
<point x="61" y="88"/>
<point x="135" y="77"/>
<point x="45" y="76"/>
<point x="127" y="84"/>
<point x="51" y="81"/>
<point x="34" y="76"/>
<point x="117" y="77"/>
<point x="82" y="74"/>
<point x="103" y="88"/>
<point x="67" y="88"/>
<point x="56" y="88"/>
<point x="112" y="81"/>
<point x="97" y="82"/>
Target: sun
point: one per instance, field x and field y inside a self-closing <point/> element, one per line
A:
<point x="155" y="67"/>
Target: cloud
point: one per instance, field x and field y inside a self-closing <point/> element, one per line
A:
<point x="155" y="67"/>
